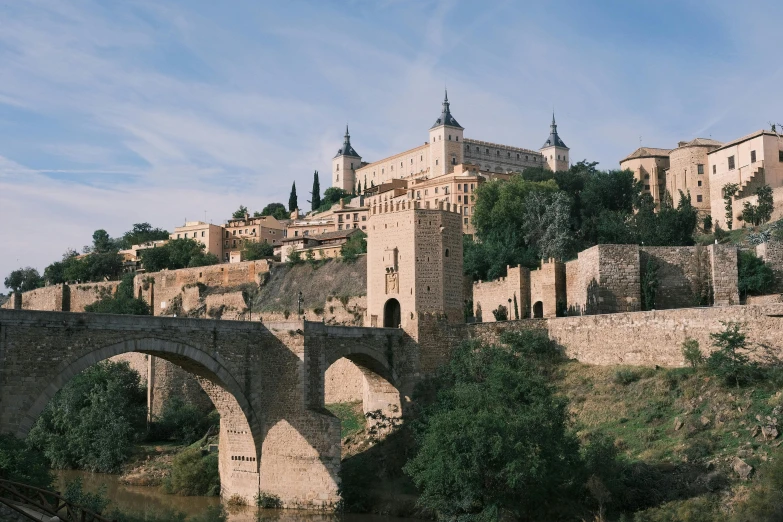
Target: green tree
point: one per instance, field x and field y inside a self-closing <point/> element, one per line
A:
<point x="761" y="212"/>
<point x="316" y="193"/>
<point x="332" y="195"/>
<point x="293" y="204"/>
<point x="547" y="224"/>
<point x="240" y="212"/>
<point x="252" y="250"/>
<point x="276" y="210"/>
<point x="177" y="253"/>
<point x="730" y="360"/>
<point x="495" y="439"/>
<point x="93" y="422"/>
<point x="356" y="245"/>
<point x="23" y="280"/>
<point x="123" y="302"/>
<point x="142" y="233"/>
<point x="20" y="462"/>
<point x="755" y="276"/>
<point x="669" y="226"/>
<point x="194" y="473"/>
<point x="729" y="191"/>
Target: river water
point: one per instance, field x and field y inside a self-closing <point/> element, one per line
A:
<point x="153" y="500"/>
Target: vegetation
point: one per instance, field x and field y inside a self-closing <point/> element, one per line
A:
<point x="21" y="462"/>
<point x="194" y="472"/>
<point x="762" y="211"/>
<point x="93" y="422"/>
<point x="240" y="213"/>
<point x="332" y="195"/>
<point x="23" y="280"/>
<point x="141" y="233"/>
<point x="351" y="417"/>
<point x="123" y="302"/>
<point x="253" y="250"/>
<point x="315" y="202"/>
<point x="542" y="214"/>
<point x="183" y="422"/>
<point x="755" y="276"/>
<point x="692" y="353"/>
<point x="177" y="253"/>
<point x="355" y="246"/>
<point x="276" y="210"/>
<point x="293" y="203"/>
<point x="729" y="191"/>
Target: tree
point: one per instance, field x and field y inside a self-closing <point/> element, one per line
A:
<point x="276" y="210"/>
<point x="316" y="193"/>
<point x="252" y="250"/>
<point x="240" y="212"/>
<point x="761" y="212"/>
<point x="20" y="462"/>
<point x="177" y="253"/>
<point x="547" y="224"/>
<point x="123" y="302"/>
<point x="730" y="361"/>
<point x="93" y="422"/>
<point x="729" y="191"/>
<point x="359" y="188"/>
<point x="102" y="242"/>
<point x="755" y="277"/>
<point x="142" y="233"/>
<point x="356" y="245"/>
<point x="292" y="202"/>
<point x="332" y="195"/>
<point x="23" y="280"/>
<point x="495" y="439"/>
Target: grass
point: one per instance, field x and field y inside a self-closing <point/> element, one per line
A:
<point x="351" y="417"/>
<point x="638" y="408"/>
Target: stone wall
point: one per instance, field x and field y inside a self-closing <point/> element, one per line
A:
<point x="725" y="278"/>
<point x="547" y="288"/>
<point x="84" y="294"/>
<point x="62" y="297"/>
<point x="683" y="275"/>
<point x="343" y="382"/>
<point x="512" y="292"/>
<point x="772" y="254"/>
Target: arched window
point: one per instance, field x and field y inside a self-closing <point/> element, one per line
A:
<point x="447" y="252"/>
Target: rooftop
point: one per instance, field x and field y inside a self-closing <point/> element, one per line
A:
<point x="745" y="138"/>
<point x="647" y="152"/>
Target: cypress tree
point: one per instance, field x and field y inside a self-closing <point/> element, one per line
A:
<point x="359" y="190"/>
<point x="316" y="194"/>
<point x="292" y="203"/>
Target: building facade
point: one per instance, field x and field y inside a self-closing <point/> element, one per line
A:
<point x="649" y="166"/>
<point x="688" y="172"/>
<point x="206" y="233"/>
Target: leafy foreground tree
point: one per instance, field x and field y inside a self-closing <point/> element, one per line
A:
<point x="356" y="245"/>
<point x="21" y="462"/>
<point x="252" y="250"/>
<point x="23" y="280"/>
<point x="177" y="253"/>
<point x="240" y="212"/>
<point x="94" y="420"/>
<point x="276" y="210"/>
<point x="142" y="233"/>
<point x="755" y="276"/>
<point x="495" y="440"/>
<point x="123" y="302"/>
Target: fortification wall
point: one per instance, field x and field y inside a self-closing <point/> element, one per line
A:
<point x="84" y="294"/>
<point x="512" y="292"/>
<point x="343" y="382"/>
<point x="683" y="275"/>
<point x="48" y="298"/>
<point x="655" y="338"/>
<point x="725" y="277"/>
<point x="772" y="254"/>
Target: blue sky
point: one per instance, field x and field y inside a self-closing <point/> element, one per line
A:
<point x="113" y="113"/>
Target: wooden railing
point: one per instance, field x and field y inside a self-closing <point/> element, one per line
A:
<point x="16" y="495"/>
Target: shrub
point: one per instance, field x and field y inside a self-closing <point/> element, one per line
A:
<point x="93" y="422"/>
<point x="356" y="245"/>
<point x="267" y="500"/>
<point x="295" y="258"/>
<point x="194" y="472"/>
<point x="20" y="462"/>
<point x="74" y="492"/>
<point x="182" y="422"/>
<point x="625" y="376"/>
<point x="730" y="361"/>
<point x="500" y="313"/>
<point x="691" y="352"/>
<point x="755" y="276"/>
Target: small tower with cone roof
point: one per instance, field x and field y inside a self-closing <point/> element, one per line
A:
<point x="344" y="165"/>
<point x="446" y="142"/>
<point x="554" y="150"/>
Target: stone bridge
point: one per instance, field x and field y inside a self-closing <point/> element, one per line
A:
<point x="266" y="381"/>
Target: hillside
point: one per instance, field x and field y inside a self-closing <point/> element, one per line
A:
<point x="319" y="284"/>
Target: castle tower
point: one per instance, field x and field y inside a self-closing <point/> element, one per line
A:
<point x="414" y="265"/>
<point x="445" y="142"/>
<point x="554" y="150"/>
<point x="344" y="165"/>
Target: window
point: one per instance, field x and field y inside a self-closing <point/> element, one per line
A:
<point x="352" y="165"/>
<point x="558" y="156"/>
<point x="698" y="198"/>
<point x="453" y="160"/>
<point x="646" y="176"/>
<point x="226" y="233"/>
<point x="436" y="190"/>
<point x="647" y="188"/>
<point x="449" y="137"/>
<point x="714" y="169"/>
<point x="233" y="242"/>
<point x="466" y="210"/>
<point x="459" y="199"/>
<point x="780" y="155"/>
<point x="456" y="138"/>
<point x="700" y="169"/>
<point x="447" y="252"/>
<point x="202" y="233"/>
<point x="753" y="156"/>
<point x="338" y="166"/>
<point x="411" y="161"/>
<point x="226" y="244"/>
<point x="731" y="162"/>
<point x="699" y="183"/>
<point x="465" y="187"/>
<point x="177" y="236"/>
<point x="436" y="162"/>
<point x="486" y="151"/>
<point x="466" y="221"/>
<point x="498" y="153"/>
<point x="509" y="154"/>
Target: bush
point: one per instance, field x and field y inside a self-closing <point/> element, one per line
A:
<point x="494" y="440"/>
<point x="93" y="422"/>
<point x="356" y="245"/>
<point x="730" y="361"/>
<point x="500" y="313"/>
<point x="625" y="376"/>
<point x="123" y="302"/>
<point x="182" y="422"/>
<point x="20" y="462"/>
<point x="74" y="493"/>
<point x="267" y="500"/>
<point x="755" y="276"/>
<point x="691" y="352"/>
<point x="194" y="472"/>
<point x="253" y="250"/>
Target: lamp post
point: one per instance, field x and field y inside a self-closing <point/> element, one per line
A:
<point x="300" y="301"/>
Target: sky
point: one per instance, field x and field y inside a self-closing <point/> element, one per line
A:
<point x="115" y="113"/>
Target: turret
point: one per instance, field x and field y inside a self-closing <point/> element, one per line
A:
<point x="344" y="165"/>
<point x="445" y="142"/>
<point x="554" y="150"/>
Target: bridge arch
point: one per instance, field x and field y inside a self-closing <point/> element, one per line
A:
<point x="241" y="434"/>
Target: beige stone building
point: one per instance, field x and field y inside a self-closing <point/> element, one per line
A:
<point x="261" y="229"/>
<point x="206" y="233"/>
<point x="445" y="153"/>
<point x="323" y="246"/>
<point x="688" y="172"/>
<point x="649" y="165"/>
<point x="750" y="162"/>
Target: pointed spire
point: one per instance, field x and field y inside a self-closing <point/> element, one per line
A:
<point x="347" y="149"/>
<point x="446" y="118"/>
<point x="553" y="139"/>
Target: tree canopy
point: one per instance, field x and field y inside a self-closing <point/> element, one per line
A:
<point x="142" y="233"/>
<point x="177" y="253"/>
<point x="252" y="250"/>
<point x="316" y="193"/>
<point x="293" y="202"/>
<point x="23" y="280"/>
<point x="276" y="210"/>
<point x="123" y="302"/>
<point x="240" y="212"/>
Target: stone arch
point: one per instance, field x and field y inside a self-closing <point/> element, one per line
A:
<point x="392" y="314"/>
<point x="241" y="428"/>
<point x="538" y="310"/>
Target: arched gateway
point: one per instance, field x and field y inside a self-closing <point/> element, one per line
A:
<point x="266" y="380"/>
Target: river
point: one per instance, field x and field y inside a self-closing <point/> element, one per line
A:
<point x="152" y="499"/>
